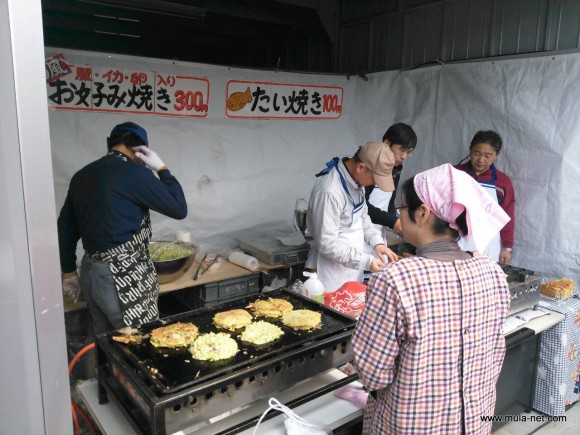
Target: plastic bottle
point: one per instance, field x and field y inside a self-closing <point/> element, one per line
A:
<point x="313" y="288"/>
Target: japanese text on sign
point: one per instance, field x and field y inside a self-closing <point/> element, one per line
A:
<point x="282" y="101"/>
<point x="112" y="90"/>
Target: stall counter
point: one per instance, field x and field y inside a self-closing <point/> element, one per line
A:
<point x="228" y="270"/>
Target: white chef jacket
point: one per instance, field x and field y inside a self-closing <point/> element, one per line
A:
<point x="330" y="214"/>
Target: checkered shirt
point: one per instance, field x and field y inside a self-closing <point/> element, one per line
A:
<point x="430" y="342"/>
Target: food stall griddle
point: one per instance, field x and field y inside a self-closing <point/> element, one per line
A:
<point x="165" y="390"/>
<point x="170" y="370"/>
<point x="524" y="288"/>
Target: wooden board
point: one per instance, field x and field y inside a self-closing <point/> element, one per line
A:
<point x="226" y="271"/>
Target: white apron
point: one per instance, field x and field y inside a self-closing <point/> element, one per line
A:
<point x="381" y="200"/>
<point x="493" y="249"/>
<point x="334" y="275"/>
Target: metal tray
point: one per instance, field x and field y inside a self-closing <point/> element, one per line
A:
<point x="267" y="248"/>
<point x="170" y="370"/>
<point x="516" y="274"/>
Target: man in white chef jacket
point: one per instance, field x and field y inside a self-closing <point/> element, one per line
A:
<point x="338" y="219"/>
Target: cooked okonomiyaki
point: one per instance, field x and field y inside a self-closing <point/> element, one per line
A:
<point x="270" y="307"/>
<point x="232" y="320"/>
<point x="214" y="347"/>
<point x="302" y="319"/>
<point x="261" y="332"/>
<point x="174" y="335"/>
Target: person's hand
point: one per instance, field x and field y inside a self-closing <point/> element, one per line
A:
<point x="376" y="265"/>
<point x="382" y="250"/>
<point x="149" y="157"/>
<point x="505" y="258"/>
<point x="398" y="228"/>
<point x="72" y="287"/>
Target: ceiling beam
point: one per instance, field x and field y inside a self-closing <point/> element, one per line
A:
<point x="161" y="7"/>
<point x="175" y="28"/>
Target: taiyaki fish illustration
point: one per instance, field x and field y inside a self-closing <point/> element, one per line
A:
<point x="238" y="100"/>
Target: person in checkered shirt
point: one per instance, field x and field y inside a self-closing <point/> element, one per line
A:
<point x="429" y="345"/>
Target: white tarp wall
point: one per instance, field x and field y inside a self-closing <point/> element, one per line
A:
<point x="534" y="104"/>
<point x="244" y="174"/>
<point x="237" y="174"/>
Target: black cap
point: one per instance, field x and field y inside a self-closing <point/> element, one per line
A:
<point x="133" y="128"/>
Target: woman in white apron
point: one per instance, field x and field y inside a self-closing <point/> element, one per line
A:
<point x="493" y="249"/>
<point x="483" y="152"/>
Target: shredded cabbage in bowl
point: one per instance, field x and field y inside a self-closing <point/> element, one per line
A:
<point x="166" y="251"/>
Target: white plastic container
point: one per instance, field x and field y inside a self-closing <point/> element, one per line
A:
<point x="313" y="287"/>
<point x="183" y="236"/>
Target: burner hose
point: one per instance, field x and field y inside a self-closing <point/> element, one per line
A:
<point x="75" y="405"/>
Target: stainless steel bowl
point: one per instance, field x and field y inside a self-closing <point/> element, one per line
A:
<point x="170" y="270"/>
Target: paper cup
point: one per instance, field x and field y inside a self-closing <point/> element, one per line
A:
<point x="183" y="236"/>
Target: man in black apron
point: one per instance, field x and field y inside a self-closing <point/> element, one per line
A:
<point x="107" y="206"/>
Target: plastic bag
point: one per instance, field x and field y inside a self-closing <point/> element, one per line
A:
<point x="274" y="279"/>
<point x="295" y="425"/>
<point x="349" y="299"/>
<point x="354" y="395"/>
<point x="297" y="287"/>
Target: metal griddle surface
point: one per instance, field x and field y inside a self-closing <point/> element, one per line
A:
<point x="170" y="370"/>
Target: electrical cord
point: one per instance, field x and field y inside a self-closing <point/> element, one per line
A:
<point x="75" y="405"/>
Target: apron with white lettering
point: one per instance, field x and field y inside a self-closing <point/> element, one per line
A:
<point x="332" y="274"/>
<point x="493" y="249"/>
<point x="135" y="277"/>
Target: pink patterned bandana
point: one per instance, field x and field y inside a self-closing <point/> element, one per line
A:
<point x="448" y="191"/>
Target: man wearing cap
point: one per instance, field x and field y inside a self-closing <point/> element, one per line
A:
<point x="338" y="220"/>
<point x="107" y="206"/>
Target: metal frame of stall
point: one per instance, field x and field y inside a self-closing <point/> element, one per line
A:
<point x="35" y="386"/>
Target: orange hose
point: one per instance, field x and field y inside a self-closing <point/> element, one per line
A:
<point x="85" y="417"/>
<point x="75" y="419"/>
<point x="78" y="355"/>
<point x="75" y="406"/>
